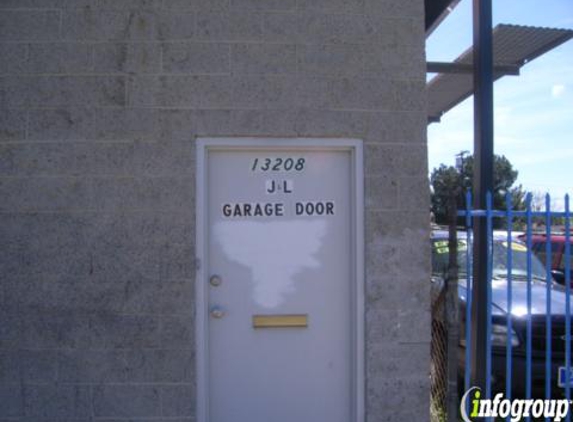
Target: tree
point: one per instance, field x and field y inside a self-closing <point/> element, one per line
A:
<point x="448" y="181"/>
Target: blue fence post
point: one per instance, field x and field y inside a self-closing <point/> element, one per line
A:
<point x="509" y="326"/>
<point x="489" y="218"/>
<point x="548" y="283"/>
<point x="528" y="335"/>
<point x="469" y="283"/>
<point x="567" y="303"/>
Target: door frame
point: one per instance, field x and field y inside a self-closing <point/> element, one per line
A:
<point x="354" y="146"/>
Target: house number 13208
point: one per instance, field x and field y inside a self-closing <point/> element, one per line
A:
<point x="278" y="164"/>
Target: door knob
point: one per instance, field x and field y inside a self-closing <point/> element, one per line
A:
<point x="217" y="312"/>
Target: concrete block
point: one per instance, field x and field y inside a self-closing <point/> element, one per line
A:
<point x="397" y="127"/>
<point x="92" y="366"/>
<point x="382" y="259"/>
<point x="135" y="262"/>
<point x="13" y="58"/>
<point x="197" y="5"/>
<point x="126" y="401"/>
<point x="50" y="330"/>
<point x="11" y="401"/>
<point x="410" y="95"/>
<point x="178" y="295"/>
<point x="264" y="5"/>
<point x="310" y="122"/>
<point x="126" y="124"/>
<point x="176" y="25"/>
<point x="414" y="193"/>
<point x="177" y="331"/>
<point x="144" y="227"/>
<point x="176" y="261"/>
<point x="381" y="192"/>
<point x="331" y="60"/>
<point x="313" y="92"/>
<point x="12" y="125"/>
<point x="363" y="93"/>
<point x="394" y="224"/>
<point x="158" y="193"/>
<point x="130" y="4"/>
<point x="280" y="27"/>
<point x="399" y="8"/>
<point x="409" y="291"/>
<point x="196" y="58"/>
<point x="321" y="28"/>
<point x="61" y="124"/>
<point x="397" y="399"/>
<point x="385" y="360"/>
<point x="127" y="58"/>
<point x="396" y="62"/>
<point x="213" y="122"/>
<point x="237" y="26"/>
<point x="60" y="58"/>
<point x="178" y="400"/>
<point x="47" y="4"/>
<point x="67" y="159"/>
<point x="9" y="367"/>
<point x="160" y="366"/>
<point x="264" y="58"/>
<point x="11" y="327"/>
<point x="144" y="124"/>
<point x="164" y="159"/>
<point x="397" y="324"/>
<point x="101" y="24"/>
<point x="27" y="25"/>
<point x="44" y="194"/>
<point x="38" y="366"/>
<point x="124" y="331"/>
<point x="397" y="31"/>
<point x="182" y="91"/>
<point x="400" y="160"/>
<point x="59" y="91"/>
<point x="274" y="91"/>
<point x="334" y="6"/>
<point x="144" y="295"/>
<point x="29" y="4"/>
<point x="264" y="122"/>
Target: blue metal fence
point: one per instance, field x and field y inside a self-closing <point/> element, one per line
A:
<point x="534" y="308"/>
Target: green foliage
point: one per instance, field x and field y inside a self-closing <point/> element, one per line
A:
<point x="447" y="181"/>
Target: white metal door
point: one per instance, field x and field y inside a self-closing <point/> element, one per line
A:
<point x="278" y="294"/>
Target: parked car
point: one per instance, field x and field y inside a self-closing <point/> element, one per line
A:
<point x="558" y="255"/>
<point x="519" y="313"/>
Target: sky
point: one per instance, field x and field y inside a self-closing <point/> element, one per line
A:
<point x="533" y="112"/>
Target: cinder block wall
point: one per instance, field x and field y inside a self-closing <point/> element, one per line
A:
<point x="100" y="104"/>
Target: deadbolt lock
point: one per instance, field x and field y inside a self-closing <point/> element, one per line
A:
<point x="215" y="281"/>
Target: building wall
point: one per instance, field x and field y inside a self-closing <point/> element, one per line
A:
<point x="100" y="104"/>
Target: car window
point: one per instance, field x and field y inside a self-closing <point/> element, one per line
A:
<point x="540" y="249"/>
<point x="440" y="256"/>
<point x="501" y="251"/>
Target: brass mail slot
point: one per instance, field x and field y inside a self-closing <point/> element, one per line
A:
<point x="280" y="321"/>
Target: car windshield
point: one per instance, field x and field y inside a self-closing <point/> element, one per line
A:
<point x="500" y="261"/>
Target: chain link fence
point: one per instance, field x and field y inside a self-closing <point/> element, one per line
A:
<point x="439" y="356"/>
<point x="444" y="402"/>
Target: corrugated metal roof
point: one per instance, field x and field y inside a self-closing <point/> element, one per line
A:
<point x="512" y="45"/>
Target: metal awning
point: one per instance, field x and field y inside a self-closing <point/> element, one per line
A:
<point x="513" y="46"/>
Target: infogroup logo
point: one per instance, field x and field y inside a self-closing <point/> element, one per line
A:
<point x="516" y="409"/>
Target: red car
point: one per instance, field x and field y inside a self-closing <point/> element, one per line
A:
<point x="558" y="255"/>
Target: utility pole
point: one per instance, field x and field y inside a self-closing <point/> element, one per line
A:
<point x="482" y="183"/>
